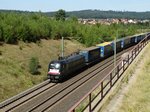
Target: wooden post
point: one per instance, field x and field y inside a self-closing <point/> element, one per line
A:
<point x="110" y="80"/>
<point x="90" y="108"/>
<point x="142" y="45"/>
<point x="101" y="90"/>
<point x="128" y="60"/>
<point x="123" y="65"/>
<point x="138" y="48"/>
<point x="132" y="55"/>
<point x="118" y="72"/>
<point x="135" y="51"/>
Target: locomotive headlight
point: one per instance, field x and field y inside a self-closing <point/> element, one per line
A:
<point x="57" y="65"/>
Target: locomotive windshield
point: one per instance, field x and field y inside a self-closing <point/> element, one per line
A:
<point x="55" y="66"/>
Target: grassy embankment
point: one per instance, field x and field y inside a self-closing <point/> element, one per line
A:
<point x="132" y="92"/>
<point x="14" y="64"/>
<point x="137" y="99"/>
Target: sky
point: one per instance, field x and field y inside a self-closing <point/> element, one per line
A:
<point x="75" y="5"/>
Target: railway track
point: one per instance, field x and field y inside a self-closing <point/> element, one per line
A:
<point x="45" y="97"/>
<point x="25" y="96"/>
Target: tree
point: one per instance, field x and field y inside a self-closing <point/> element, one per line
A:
<point x="60" y="15"/>
<point x="73" y="18"/>
<point x="33" y="65"/>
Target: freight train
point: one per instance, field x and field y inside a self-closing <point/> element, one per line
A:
<point x="63" y="67"/>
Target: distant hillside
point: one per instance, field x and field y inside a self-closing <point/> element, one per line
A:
<point x="97" y="14"/>
<point x="106" y="14"/>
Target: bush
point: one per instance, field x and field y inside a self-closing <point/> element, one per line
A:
<point x="31" y="27"/>
<point x="33" y="66"/>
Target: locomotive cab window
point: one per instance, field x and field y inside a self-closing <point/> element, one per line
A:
<point x="55" y="66"/>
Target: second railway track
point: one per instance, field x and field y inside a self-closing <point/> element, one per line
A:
<point x="49" y="95"/>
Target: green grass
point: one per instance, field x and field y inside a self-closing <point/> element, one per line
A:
<point x="137" y="99"/>
<point x="14" y="64"/>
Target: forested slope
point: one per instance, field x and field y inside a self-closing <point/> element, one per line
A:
<point x="100" y="14"/>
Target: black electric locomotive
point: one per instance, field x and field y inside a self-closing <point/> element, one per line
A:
<point x="63" y="67"/>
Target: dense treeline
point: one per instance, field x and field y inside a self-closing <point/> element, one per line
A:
<point x="99" y="14"/>
<point x="31" y="27"/>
